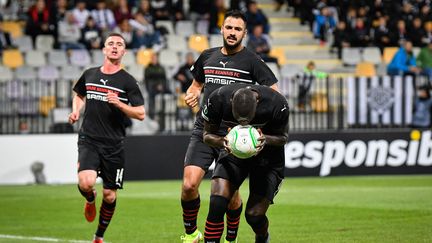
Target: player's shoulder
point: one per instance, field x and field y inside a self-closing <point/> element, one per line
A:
<point x="126" y="75"/>
<point x="92" y="70"/>
<point x="211" y="51"/>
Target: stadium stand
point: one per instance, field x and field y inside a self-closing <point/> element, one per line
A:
<point x="12" y="58"/>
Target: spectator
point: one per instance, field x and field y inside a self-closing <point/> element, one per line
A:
<point x="416" y="32"/>
<point x="324" y="23"/>
<point x="256" y="16"/>
<point x="341" y="38"/>
<point x="260" y="44"/>
<point x="360" y="34"/>
<point x="306" y="15"/>
<point x="217" y="14"/>
<point x="161" y="9"/>
<point x="122" y="11"/>
<point x="91" y="35"/>
<point x="177" y="7"/>
<point x="381" y="34"/>
<point x="400" y="34"/>
<point x="144" y="34"/>
<point x="69" y="33"/>
<point x="38" y="22"/>
<point x="103" y="17"/>
<point x="199" y="10"/>
<point x="241" y="5"/>
<point x="427" y="32"/>
<point x="125" y="30"/>
<point x="305" y="83"/>
<point x="403" y="62"/>
<point x="184" y="75"/>
<point x="424" y="61"/>
<point x="155" y="81"/>
<point x="5" y="40"/>
<point x="58" y="13"/>
<point x="81" y="13"/>
<point x="422" y="113"/>
<point x="425" y="13"/>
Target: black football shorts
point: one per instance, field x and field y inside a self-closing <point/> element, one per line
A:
<point x="200" y="154"/>
<point x="105" y="157"/>
<point x="265" y="171"/>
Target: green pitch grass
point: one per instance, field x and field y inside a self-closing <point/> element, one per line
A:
<point x="334" y="209"/>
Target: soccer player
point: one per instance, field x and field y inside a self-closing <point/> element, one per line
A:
<point x="216" y="67"/>
<point x="109" y="94"/>
<point x="268" y="111"/>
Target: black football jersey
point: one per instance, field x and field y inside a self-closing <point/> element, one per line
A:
<point x="101" y="119"/>
<point x="271" y="115"/>
<point x="214" y="69"/>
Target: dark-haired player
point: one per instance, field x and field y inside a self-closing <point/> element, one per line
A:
<point x="268" y="111"/>
<point x="216" y="67"/>
<point x="109" y="94"/>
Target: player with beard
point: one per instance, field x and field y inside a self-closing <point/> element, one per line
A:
<point x="216" y="67"/>
<point x="110" y="94"/>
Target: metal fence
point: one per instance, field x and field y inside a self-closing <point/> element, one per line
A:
<point x="41" y="106"/>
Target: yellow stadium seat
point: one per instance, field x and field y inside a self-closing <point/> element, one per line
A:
<point x="278" y="53"/>
<point x="198" y="43"/>
<point x="143" y="56"/>
<point x="46" y="104"/>
<point x="319" y="102"/>
<point x="12" y="58"/>
<point x="365" y="69"/>
<point x="388" y="54"/>
<point x="14" y="28"/>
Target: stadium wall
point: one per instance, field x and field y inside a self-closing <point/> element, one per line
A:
<point x="161" y="157"/>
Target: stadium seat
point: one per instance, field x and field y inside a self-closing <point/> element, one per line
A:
<point x="198" y="43"/>
<point x="129" y="58"/>
<point x="97" y="57"/>
<point x="6" y="74"/>
<point x="176" y="43"/>
<point x="351" y="56"/>
<point x="44" y="42"/>
<point x="143" y="56"/>
<point x="365" y="69"/>
<point x="80" y="58"/>
<point x="388" y="54"/>
<point x="58" y="58"/>
<point x="12" y="58"/>
<point x="25" y="73"/>
<point x="48" y="73"/>
<point x="202" y="27"/>
<point x="169" y="58"/>
<point x="14" y="28"/>
<point x="275" y="69"/>
<point x="23" y="43"/>
<point x="290" y="70"/>
<point x="372" y="55"/>
<point x="167" y="24"/>
<point x="215" y="40"/>
<point x="70" y="72"/>
<point x="184" y="28"/>
<point x="35" y="58"/>
<point x="46" y="104"/>
<point x="278" y="53"/>
<point x="137" y="71"/>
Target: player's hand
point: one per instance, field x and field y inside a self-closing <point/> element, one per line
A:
<point x="74" y="117"/>
<point x="113" y="98"/>
<point x="225" y="145"/>
<point x="191" y="99"/>
<point x="261" y="140"/>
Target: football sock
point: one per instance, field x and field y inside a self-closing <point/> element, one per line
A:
<point x="233" y="221"/>
<point x="89" y="196"/>
<point x="105" y="214"/>
<point x="190" y="214"/>
<point x="215" y="219"/>
<point x="259" y="224"/>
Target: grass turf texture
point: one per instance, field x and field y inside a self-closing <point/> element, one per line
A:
<point x="333" y="209"/>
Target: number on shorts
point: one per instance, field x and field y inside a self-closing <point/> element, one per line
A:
<point x="119" y="177"/>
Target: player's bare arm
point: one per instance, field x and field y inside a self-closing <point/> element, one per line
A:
<point x="136" y="112"/>
<point x="77" y="104"/>
<point x="277" y="140"/>
<point x="193" y="93"/>
<point x="210" y="136"/>
<point x="275" y="87"/>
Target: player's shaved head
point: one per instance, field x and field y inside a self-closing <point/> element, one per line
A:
<point x="244" y="103"/>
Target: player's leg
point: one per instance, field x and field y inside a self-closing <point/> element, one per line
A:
<point x="221" y="193"/>
<point x="112" y="173"/>
<point x="233" y="214"/>
<point x="255" y="213"/>
<point x="198" y="159"/>
<point x="88" y="162"/>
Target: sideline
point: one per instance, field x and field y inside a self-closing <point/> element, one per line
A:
<point x="46" y="239"/>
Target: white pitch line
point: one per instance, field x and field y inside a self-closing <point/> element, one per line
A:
<point x="20" y="237"/>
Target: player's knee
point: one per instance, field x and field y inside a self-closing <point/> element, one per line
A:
<point x="235" y="201"/>
<point x="190" y="187"/>
<point x="255" y="221"/>
<point x="86" y="185"/>
<point x="109" y="196"/>
<point x="218" y="207"/>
